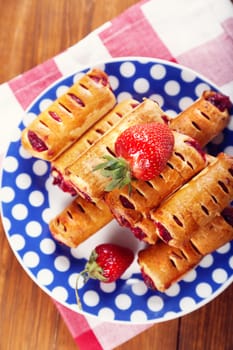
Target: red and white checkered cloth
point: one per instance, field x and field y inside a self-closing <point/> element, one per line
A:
<point x="197" y="34"/>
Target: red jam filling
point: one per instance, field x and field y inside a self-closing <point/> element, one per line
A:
<point x="76" y="99"/>
<point x="55" y="116"/>
<point x="36" y="142"/>
<point x="126" y="203"/>
<point x="163" y="232"/>
<point x="227" y="214"/>
<point x="65" y="186"/>
<point x="100" y="79"/>
<point x="220" y="101"/>
<point x="193" y="143"/>
<point x="148" y="281"/>
<point x="138" y="233"/>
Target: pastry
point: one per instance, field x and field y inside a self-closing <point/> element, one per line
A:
<point x="161" y="264"/>
<point x="79" y="220"/>
<point x="67" y="118"/>
<point x="196" y="203"/>
<point x="59" y="165"/>
<point x="130" y="208"/>
<point x="205" y="118"/>
<point x="91" y="184"/>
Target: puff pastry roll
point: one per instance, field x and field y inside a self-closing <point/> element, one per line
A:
<point x="205" y="118"/>
<point x="196" y="203"/>
<point x="59" y="165"/>
<point x="91" y="184"/>
<point x="161" y="265"/>
<point x="67" y="118"/>
<point x="129" y="209"/>
<point x="79" y="220"/>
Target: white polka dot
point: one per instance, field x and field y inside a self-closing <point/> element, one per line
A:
<point x="231" y="262"/>
<point x="91" y="298"/>
<point x="45" y="277"/>
<point x="171" y="113"/>
<point x="173" y="291"/>
<point x="123" y="302"/>
<point x="172" y="88"/>
<point x="170" y="315"/>
<point x="17" y="241"/>
<point x="62" y="263"/>
<point x="36" y="198"/>
<point x="33" y="229"/>
<point x="188" y="76"/>
<point x="200" y="88"/>
<point x="106" y="314"/>
<point x="24" y="154"/>
<point x="28" y="118"/>
<point x="10" y="164"/>
<point x="158" y="71"/>
<point x="155" y="303"/>
<point x="108" y="287"/>
<point x="47" y="215"/>
<point x="141" y="85"/>
<point x="47" y="246"/>
<point x="190" y="276"/>
<point x="138" y="316"/>
<point x="224" y="249"/>
<point x="40" y="167"/>
<point x="229" y="150"/>
<point x="114" y="82"/>
<point x="19" y="211"/>
<point x="78" y="76"/>
<point x="207" y="261"/>
<point x="60" y="293"/>
<point x="124" y="95"/>
<point x="23" y="181"/>
<point x="219" y="275"/>
<point x="61" y="90"/>
<point x="185" y="102"/>
<point x="187" y="303"/>
<point x="31" y="259"/>
<point x="139" y="288"/>
<point x="72" y="280"/>
<point x="44" y="104"/>
<point x="157" y="98"/>
<point x="7" y="194"/>
<point x="6" y="223"/>
<point x="203" y="290"/>
<point x="127" y="69"/>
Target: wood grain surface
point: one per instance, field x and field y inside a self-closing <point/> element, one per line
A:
<point x="32" y="31"/>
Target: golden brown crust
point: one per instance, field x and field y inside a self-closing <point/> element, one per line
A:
<point x="91" y="184"/>
<point x="130" y="208"/>
<point x="165" y="264"/>
<point x="62" y="123"/>
<point x="92" y="136"/>
<point x="202" y="120"/>
<point x="79" y="220"/>
<point x="196" y="203"/>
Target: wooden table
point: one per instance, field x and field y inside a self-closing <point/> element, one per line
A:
<point x="32" y="31"/>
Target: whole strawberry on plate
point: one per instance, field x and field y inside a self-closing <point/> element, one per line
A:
<point x="106" y="263"/>
<point x="142" y="152"/>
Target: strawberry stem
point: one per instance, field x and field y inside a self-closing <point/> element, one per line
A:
<point x="117" y="169"/>
<point x="86" y="277"/>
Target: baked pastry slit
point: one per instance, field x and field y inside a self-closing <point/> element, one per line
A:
<point x="162" y="265"/>
<point x="205" y="118"/>
<point x="59" y="165"/>
<point x="69" y="117"/>
<point x="130" y="208"/>
<point x="91" y="184"/>
<point x="79" y="221"/>
<point x="196" y="203"/>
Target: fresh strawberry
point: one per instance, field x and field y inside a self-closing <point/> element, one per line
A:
<point x="107" y="263"/>
<point x="142" y="152"/>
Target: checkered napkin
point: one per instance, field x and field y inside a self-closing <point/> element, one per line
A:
<point x="197" y="34"/>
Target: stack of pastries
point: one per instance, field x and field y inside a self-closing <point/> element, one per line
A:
<point x="181" y="215"/>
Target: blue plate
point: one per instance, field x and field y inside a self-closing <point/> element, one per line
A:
<point x="30" y="201"/>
